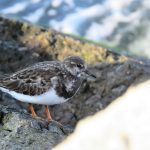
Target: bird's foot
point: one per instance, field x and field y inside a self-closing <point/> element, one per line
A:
<point x="54" y="121"/>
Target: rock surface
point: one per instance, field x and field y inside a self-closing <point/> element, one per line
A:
<point x="18" y="131"/>
<point x="123" y="125"/>
<point x="124" y="24"/>
<point x="22" y="44"/>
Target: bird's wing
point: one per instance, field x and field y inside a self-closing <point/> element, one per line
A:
<point x="33" y="80"/>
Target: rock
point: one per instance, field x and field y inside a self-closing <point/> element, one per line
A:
<point x="121" y="126"/>
<point x="124" y="25"/>
<point x="19" y="131"/>
<point x="39" y="44"/>
<point x="21" y="45"/>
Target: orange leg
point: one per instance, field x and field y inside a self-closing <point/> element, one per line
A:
<point x="31" y="108"/>
<point x="48" y="114"/>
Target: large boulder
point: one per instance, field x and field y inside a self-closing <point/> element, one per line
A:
<point x="123" y="125"/>
<point x="19" y="131"/>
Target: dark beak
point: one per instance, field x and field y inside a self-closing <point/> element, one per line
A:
<point x="88" y="74"/>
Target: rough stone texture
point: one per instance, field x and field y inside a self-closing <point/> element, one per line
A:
<point x="49" y="44"/>
<point x="124" y="24"/>
<point x="18" y="131"/>
<point x="123" y="125"/>
<point x="22" y="45"/>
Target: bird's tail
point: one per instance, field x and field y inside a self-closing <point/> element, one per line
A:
<point x="2" y="93"/>
<point x="1" y="80"/>
<point x="2" y="76"/>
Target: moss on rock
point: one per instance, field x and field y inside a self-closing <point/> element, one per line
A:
<point x="54" y="44"/>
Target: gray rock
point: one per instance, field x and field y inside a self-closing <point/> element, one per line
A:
<point x="19" y="131"/>
<point x="123" y="125"/>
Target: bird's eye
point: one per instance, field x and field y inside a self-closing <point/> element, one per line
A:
<point x="79" y="66"/>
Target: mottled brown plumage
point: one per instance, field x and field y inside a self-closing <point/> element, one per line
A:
<point x="53" y="81"/>
<point x="33" y="80"/>
<point x="38" y="78"/>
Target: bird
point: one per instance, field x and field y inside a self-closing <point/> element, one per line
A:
<point x="46" y="83"/>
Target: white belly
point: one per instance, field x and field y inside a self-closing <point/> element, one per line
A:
<point x="48" y="98"/>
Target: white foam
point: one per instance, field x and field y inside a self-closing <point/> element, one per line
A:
<point x="15" y="8"/>
<point x="48" y="98"/>
<point x="35" y="16"/>
<point x="56" y="3"/>
<point x="73" y="21"/>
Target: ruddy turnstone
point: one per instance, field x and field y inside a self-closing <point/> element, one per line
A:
<point x="46" y="83"/>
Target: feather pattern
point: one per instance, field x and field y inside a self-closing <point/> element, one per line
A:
<point x="53" y="81"/>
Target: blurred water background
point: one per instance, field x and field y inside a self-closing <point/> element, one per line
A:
<point x="119" y="24"/>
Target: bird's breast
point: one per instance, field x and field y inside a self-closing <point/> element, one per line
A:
<point x="67" y="88"/>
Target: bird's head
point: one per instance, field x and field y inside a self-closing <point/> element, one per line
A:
<point x="77" y="67"/>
